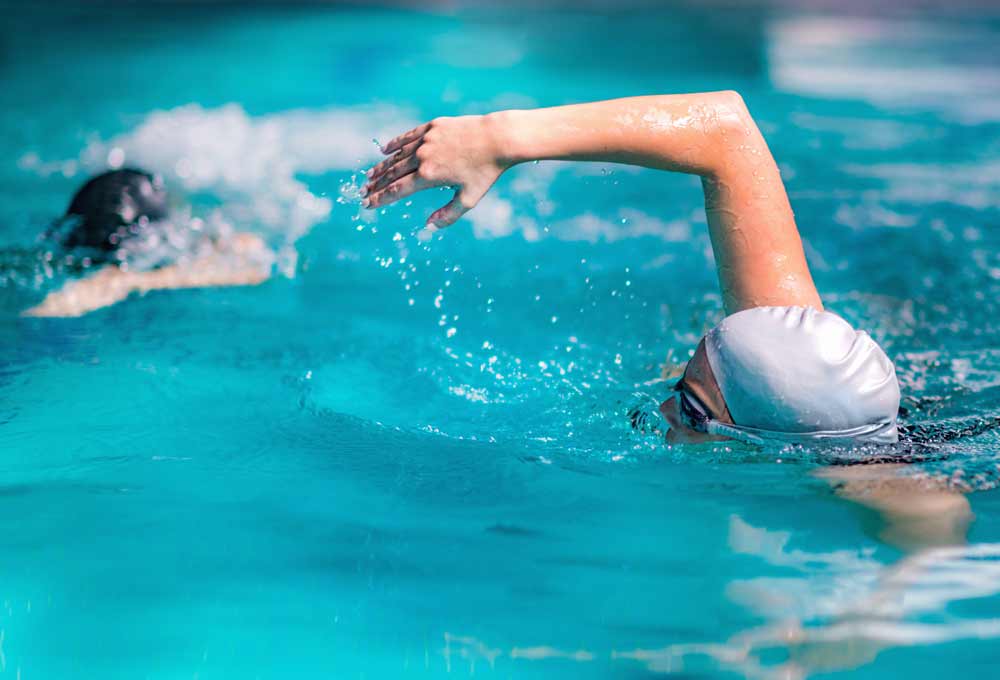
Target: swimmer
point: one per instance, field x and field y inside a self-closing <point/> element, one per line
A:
<point x="779" y="367"/>
<point x="122" y="207"/>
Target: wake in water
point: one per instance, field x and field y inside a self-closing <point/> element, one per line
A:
<point x="227" y="172"/>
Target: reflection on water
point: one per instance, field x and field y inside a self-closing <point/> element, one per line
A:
<point x="839" y="612"/>
<point x="891" y="62"/>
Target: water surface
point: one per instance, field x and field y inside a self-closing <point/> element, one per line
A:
<point x="407" y="460"/>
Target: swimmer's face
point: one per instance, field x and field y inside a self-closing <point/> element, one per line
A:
<point x="700" y="381"/>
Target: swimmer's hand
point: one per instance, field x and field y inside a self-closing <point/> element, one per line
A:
<point x="465" y="153"/>
<point x="241" y="260"/>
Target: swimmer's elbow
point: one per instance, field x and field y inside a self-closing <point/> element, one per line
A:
<point x="712" y="134"/>
<point x="734" y="124"/>
<point x="731" y="103"/>
<point x="738" y="140"/>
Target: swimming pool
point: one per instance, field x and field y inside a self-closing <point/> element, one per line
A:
<point x="415" y="460"/>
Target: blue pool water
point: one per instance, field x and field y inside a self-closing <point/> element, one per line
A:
<point x="408" y="460"/>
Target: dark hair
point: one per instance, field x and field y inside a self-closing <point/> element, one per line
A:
<point x="111" y="206"/>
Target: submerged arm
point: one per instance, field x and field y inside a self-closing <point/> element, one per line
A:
<point x="758" y="251"/>
<point x="241" y="261"/>
<point x="911" y="513"/>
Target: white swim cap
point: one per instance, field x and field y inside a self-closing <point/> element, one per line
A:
<point x="798" y="373"/>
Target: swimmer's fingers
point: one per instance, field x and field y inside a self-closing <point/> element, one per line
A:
<point x="399" y="189"/>
<point x="402" y="168"/>
<point x="405" y="138"/>
<point x="404" y="152"/>
<point x="447" y="215"/>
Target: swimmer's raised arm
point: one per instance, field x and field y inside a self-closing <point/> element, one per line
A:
<point x="758" y="251"/>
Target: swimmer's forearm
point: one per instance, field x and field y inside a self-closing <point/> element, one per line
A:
<point x="692" y="133"/>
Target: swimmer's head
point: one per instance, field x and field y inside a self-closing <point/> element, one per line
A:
<point x="113" y="206"/>
<point x="697" y="386"/>
<point x="789" y="374"/>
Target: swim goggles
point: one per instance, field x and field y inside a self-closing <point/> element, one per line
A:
<point x="696" y="416"/>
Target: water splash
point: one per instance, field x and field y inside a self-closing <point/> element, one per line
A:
<point x="231" y="171"/>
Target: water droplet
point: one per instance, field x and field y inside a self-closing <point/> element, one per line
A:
<point x="116" y="157"/>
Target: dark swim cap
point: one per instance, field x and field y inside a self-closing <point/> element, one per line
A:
<point x="113" y="206"/>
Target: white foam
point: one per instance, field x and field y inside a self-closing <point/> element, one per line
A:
<point x="251" y="163"/>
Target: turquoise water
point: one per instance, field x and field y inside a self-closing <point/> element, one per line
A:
<point x="407" y="460"/>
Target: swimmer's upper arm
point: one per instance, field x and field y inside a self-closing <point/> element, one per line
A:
<point x="758" y="250"/>
<point x="234" y="265"/>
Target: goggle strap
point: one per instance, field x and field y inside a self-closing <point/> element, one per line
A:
<point x="724" y="430"/>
